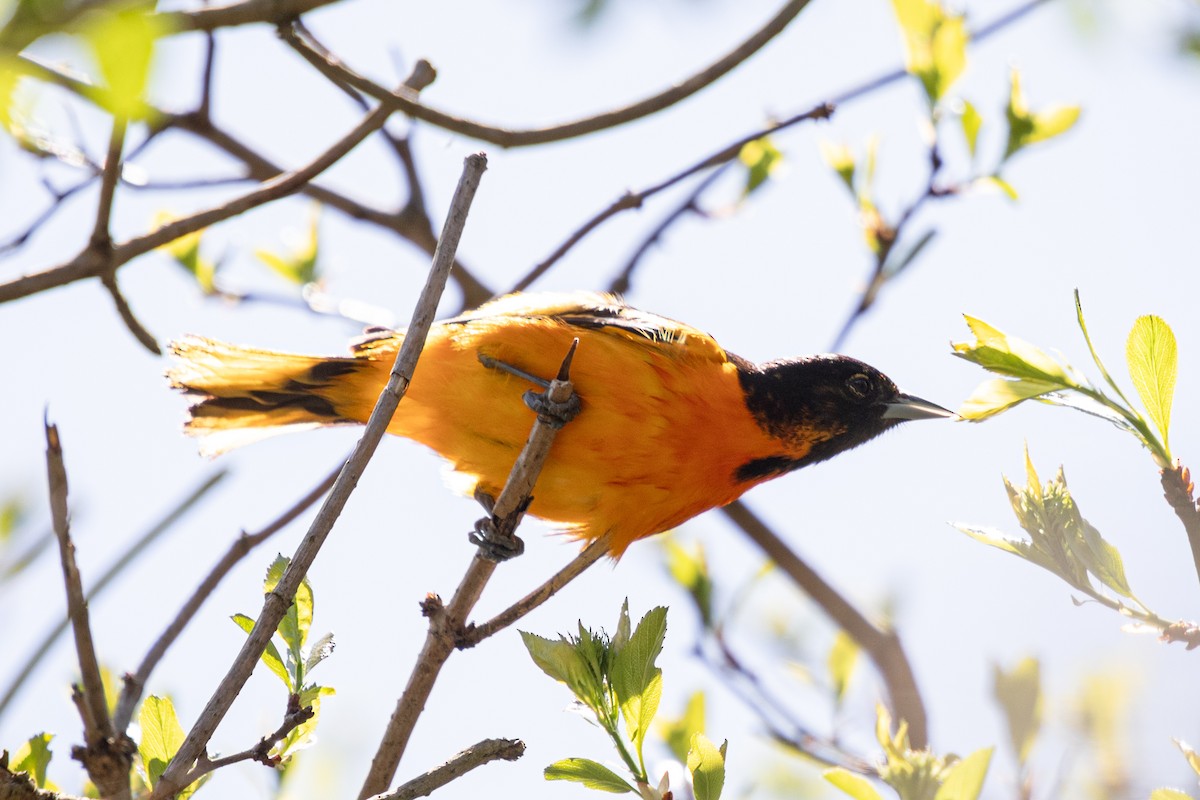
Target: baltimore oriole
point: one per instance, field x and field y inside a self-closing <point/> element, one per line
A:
<point x="670" y="425"/>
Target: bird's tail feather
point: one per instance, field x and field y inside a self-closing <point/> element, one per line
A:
<point x="246" y="394"/>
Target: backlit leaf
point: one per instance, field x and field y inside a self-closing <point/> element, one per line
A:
<point x="840" y="663"/>
<point x="971" y="122"/>
<point x="122" y="42"/>
<point x="161" y="736"/>
<point x="964" y="780"/>
<point x="761" y="159"/>
<point x="678" y="733"/>
<point x="706" y="763"/>
<point x="589" y="773"/>
<point x="1153" y="358"/>
<point x="33" y="756"/>
<point x="852" y="784"/>
<point x="270" y="656"/>
<point x="1019" y="693"/>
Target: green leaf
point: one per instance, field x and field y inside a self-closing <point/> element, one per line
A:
<point x="997" y="395"/>
<point x="761" y="159"/>
<point x="840" y="158"/>
<point x="1019" y="693"/>
<point x="971" y="122"/>
<point x="185" y="251"/>
<point x="9" y="78"/>
<point x="678" y="733"/>
<point x="840" y="663"/>
<point x="706" y="763"/>
<point x="270" y="656"/>
<point x="964" y="780"/>
<point x="690" y="570"/>
<point x="935" y="45"/>
<point x="998" y="352"/>
<point x="636" y="680"/>
<point x="12" y="513"/>
<point x="589" y="773"/>
<point x="297" y="622"/>
<point x="1026" y="127"/>
<point x="1103" y="560"/>
<point x="555" y="657"/>
<point x="898" y="264"/>
<point x="852" y="784"/>
<point x="33" y="756"/>
<point x="995" y="538"/>
<point x="299" y="266"/>
<point x="161" y="737"/>
<point x="1153" y="362"/>
<point x="122" y="42"/>
<point x="1169" y="794"/>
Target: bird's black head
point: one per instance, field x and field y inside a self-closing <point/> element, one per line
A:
<point x="819" y="406"/>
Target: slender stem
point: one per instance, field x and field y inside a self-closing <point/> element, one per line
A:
<point x="883" y="646"/>
<point x="474" y="756"/>
<point x="447" y="624"/>
<point x="135" y="684"/>
<point x="278" y="601"/>
<point x="132" y="552"/>
<point x="1178" y="489"/>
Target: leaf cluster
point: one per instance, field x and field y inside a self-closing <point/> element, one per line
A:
<point x="617" y="680"/>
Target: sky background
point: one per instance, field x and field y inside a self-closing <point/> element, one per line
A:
<point x="1109" y="209"/>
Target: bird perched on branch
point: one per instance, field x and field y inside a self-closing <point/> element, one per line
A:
<point x="671" y="424"/>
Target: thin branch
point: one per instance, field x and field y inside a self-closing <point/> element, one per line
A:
<point x="406" y="102"/>
<point x="246" y="12"/>
<point x="474" y="756"/>
<point x="447" y="622"/>
<point x="473" y="634"/>
<point x="277" y="602"/>
<point x="261" y="752"/>
<point x="621" y="283"/>
<point x="135" y="684"/>
<point x="106" y="765"/>
<point x="109" y="177"/>
<point x="636" y="199"/>
<point x="135" y="549"/>
<point x="883" y="646"/>
<point x="89" y="263"/>
<point x="108" y="279"/>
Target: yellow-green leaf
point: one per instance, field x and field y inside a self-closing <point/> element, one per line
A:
<point x="1169" y="794"/>
<point x="122" y="42"/>
<point x="270" y="656"/>
<point x="1026" y="127"/>
<point x="841" y="160"/>
<point x="589" y="773"/>
<point x="1153" y="362"/>
<point x="971" y="122"/>
<point x="1019" y="693"/>
<point x="690" y="569"/>
<point x="998" y="352"/>
<point x="852" y="784"/>
<point x="1052" y="121"/>
<point x="33" y="757"/>
<point x="964" y="780"/>
<point x="1193" y="758"/>
<point x="840" y="663"/>
<point x="761" y="159"/>
<point x="998" y="183"/>
<point x="935" y="44"/>
<point x="996" y="395"/>
<point x="706" y="763"/>
<point x="161" y="736"/>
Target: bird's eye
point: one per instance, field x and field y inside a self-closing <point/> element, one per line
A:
<point x="859" y="386"/>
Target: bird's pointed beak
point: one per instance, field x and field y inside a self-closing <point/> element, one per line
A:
<point x="905" y="407"/>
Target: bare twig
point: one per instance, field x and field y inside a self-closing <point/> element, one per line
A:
<point x="135" y="684"/>
<point x="883" y="646"/>
<point x="246" y="12"/>
<point x="278" y="601"/>
<point x="595" y="550"/>
<point x="144" y="337"/>
<point x="447" y="623"/>
<point x="261" y="752"/>
<point x="1179" y="491"/>
<point x="474" y="756"/>
<point x="105" y="760"/>
<point x="690" y="204"/>
<point x="406" y="102"/>
<point x="135" y="549"/>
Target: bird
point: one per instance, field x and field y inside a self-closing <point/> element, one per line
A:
<point x="670" y="424"/>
